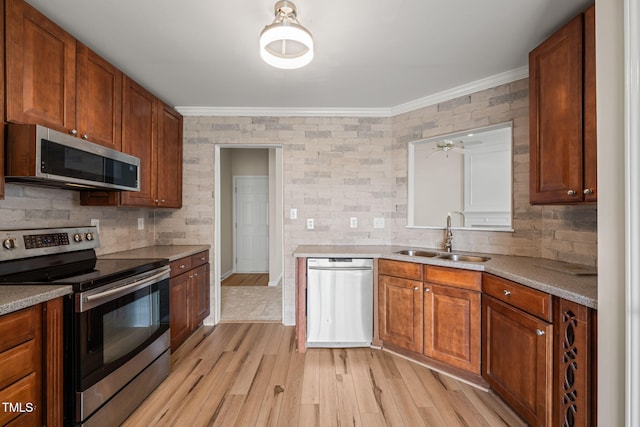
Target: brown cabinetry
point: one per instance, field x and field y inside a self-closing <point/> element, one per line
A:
<point x="41" y="69"/>
<point x="452" y="317"/>
<point x="563" y="115"/>
<point x="31" y="365"/>
<point x="98" y="99"/>
<point x="518" y="353"/>
<point x="575" y="367"/>
<point x="169" y="158"/>
<point x="189" y="296"/>
<point x="2" y="101"/>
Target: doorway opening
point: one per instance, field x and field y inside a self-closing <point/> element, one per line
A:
<point x="248" y="233"/>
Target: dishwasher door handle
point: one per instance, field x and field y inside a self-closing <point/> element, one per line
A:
<point x="341" y="268"/>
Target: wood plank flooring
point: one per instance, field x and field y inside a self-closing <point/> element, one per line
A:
<point x="251" y="375"/>
<point x="246" y="279"/>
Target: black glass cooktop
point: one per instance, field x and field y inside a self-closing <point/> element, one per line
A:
<point x="82" y="270"/>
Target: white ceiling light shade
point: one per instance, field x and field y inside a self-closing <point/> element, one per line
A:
<point x="285" y="43"/>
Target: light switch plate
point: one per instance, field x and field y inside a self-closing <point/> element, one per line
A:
<point x="293" y="213"/>
<point x="353" y="222"/>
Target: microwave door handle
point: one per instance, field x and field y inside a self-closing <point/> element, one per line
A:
<point x="119" y="291"/>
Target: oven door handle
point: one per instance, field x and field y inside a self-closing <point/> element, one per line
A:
<point x="123" y="290"/>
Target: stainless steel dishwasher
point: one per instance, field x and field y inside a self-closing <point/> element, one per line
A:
<point x="339" y="302"/>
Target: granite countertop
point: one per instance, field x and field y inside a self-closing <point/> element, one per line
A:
<point x="17" y="297"/>
<point x="170" y="252"/>
<point x="569" y="281"/>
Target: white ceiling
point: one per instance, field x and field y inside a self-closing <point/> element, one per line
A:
<point x="369" y="54"/>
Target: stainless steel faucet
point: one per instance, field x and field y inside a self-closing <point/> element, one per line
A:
<point x="448" y="245"/>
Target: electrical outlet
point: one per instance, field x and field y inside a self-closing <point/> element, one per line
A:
<point x="140" y="223"/>
<point x="293" y="213"/>
<point x="353" y="222"/>
<point x="310" y="224"/>
<point x="378" y="223"/>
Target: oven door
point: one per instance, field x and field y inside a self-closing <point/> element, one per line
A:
<point x="113" y="324"/>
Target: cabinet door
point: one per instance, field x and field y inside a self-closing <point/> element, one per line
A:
<point x="199" y="295"/>
<point x="99" y="99"/>
<point x="555" y="112"/>
<point x="41" y="69"/>
<point x="590" y="187"/>
<point x="517" y="360"/>
<point x="2" y="101"/>
<point x="452" y="326"/>
<point x="179" y="310"/>
<point x="139" y="139"/>
<point x="400" y="312"/>
<point x="169" y="172"/>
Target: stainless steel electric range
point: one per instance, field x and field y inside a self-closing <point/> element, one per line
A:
<point x="116" y="320"/>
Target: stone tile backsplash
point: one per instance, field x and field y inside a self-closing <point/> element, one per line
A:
<point x="334" y="168"/>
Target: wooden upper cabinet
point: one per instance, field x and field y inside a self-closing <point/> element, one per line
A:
<point x="590" y="190"/>
<point x="2" y="132"/>
<point x="139" y="135"/>
<point x="40" y="69"/>
<point x="169" y="159"/>
<point x="98" y="99"/>
<point x="562" y="115"/>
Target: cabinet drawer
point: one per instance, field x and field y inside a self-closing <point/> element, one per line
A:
<point x="18" y="327"/>
<point x="455" y="277"/>
<point x="181" y="265"/>
<point x="199" y="259"/>
<point x="18" y="362"/>
<point x="22" y="392"/>
<point x="529" y="300"/>
<point x="407" y="270"/>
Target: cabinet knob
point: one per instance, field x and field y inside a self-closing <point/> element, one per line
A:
<point x="202" y="259"/>
<point x="73" y="131"/>
<point x="182" y="266"/>
<point x="162" y="201"/>
<point x="156" y="200"/>
<point x="540" y="332"/>
<point x="427" y="289"/>
<point x="195" y="275"/>
<point x="506" y="293"/>
<point x="85" y="136"/>
<point x="191" y="276"/>
<point x="571" y="193"/>
<point x="587" y="191"/>
<point x="415" y="288"/>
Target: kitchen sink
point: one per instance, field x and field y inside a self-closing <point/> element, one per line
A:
<point x="412" y="252"/>
<point x="464" y="258"/>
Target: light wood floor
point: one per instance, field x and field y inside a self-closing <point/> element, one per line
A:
<point x="246" y="279"/>
<point x="251" y="375"/>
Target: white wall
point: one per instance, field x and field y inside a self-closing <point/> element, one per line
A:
<point x="611" y="220"/>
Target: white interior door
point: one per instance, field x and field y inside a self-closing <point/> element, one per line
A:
<point x="252" y="224"/>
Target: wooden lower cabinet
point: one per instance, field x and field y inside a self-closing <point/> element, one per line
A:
<point x="31" y="365"/>
<point x="400" y="312"/>
<point x="518" y="359"/>
<point x="189" y="296"/>
<point x="452" y="326"/>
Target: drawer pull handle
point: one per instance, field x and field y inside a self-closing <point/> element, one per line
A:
<point x="506" y="293"/>
<point x="415" y="288"/>
<point x="427" y="289"/>
<point x="202" y="259"/>
<point x="181" y="265"/>
<point x="539" y="332"/>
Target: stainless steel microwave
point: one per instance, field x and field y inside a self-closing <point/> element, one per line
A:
<point x="41" y="156"/>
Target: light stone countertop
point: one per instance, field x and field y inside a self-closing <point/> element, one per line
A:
<point x="568" y="281"/>
<point x="170" y="252"/>
<point x="17" y="297"/>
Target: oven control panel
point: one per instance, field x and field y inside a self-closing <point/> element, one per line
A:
<point x="28" y="243"/>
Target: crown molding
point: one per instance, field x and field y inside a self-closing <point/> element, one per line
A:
<point x="445" y="95"/>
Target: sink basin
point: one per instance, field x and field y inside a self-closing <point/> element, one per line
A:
<point x="412" y="252"/>
<point x="464" y="258"/>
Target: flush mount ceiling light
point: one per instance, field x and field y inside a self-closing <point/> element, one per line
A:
<point x="285" y="43"/>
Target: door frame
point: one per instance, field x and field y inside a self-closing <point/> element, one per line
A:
<point x="234" y="195"/>
<point x="279" y="216"/>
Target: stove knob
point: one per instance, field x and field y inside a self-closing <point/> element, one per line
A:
<point x="89" y="236"/>
<point x="9" y="243"/>
<point x="77" y="237"/>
